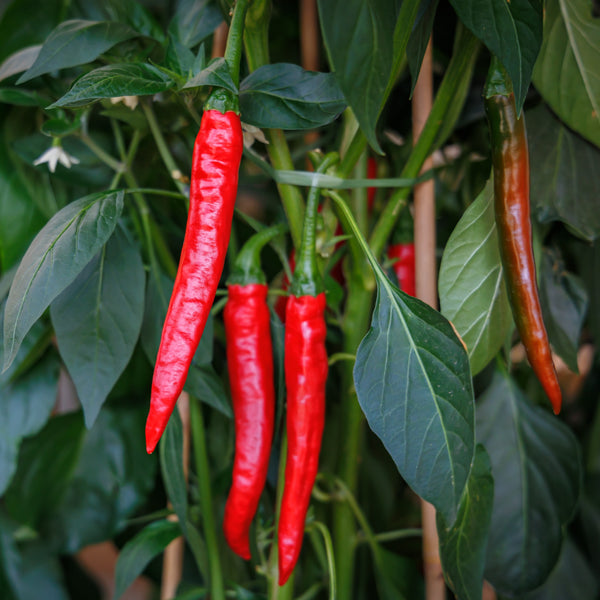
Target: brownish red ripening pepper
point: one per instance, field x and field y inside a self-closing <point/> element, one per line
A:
<point x="510" y="159"/>
<point x="213" y="189"/>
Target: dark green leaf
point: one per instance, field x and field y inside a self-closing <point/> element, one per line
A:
<point x="419" y="38"/>
<point x="463" y="546"/>
<point x="20" y="217"/>
<point x="140" y="550"/>
<point x="97" y="321"/>
<point x="21" y="97"/>
<point x="217" y="74"/>
<point x="112" y="478"/>
<point x="27" y="568"/>
<point x="203" y="382"/>
<point x="19" y="61"/>
<point x="137" y="16"/>
<point x="286" y="96"/>
<point x="45" y="465"/>
<point x="359" y="37"/>
<point x="195" y="20"/>
<point x="414" y="385"/>
<point x="537" y="471"/>
<point x="111" y="81"/>
<point x="567" y="73"/>
<point x="511" y="30"/>
<point x="55" y="257"/>
<point x="471" y="283"/>
<point x="76" y="42"/>
<point x="572" y="578"/>
<point x="565" y="181"/>
<point x="59" y="127"/>
<point x="25" y="406"/>
<point x="171" y="465"/>
<point x="564" y="303"/>
<point x="179" y="58"/>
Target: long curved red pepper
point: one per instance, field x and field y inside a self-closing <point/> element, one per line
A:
<point x="305" y="378"/>
<point x="215" y="165"/>
<point x="306" y="368"/>
<point x="250" y="364"/>
<point x="510" y="159"/>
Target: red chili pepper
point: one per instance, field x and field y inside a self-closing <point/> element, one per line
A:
<point x="404" y="266"/>
<point x="510" y="159"/>
<point x="305" y="378"/>
<point x="215" y="166"/>
<point x="371" y="174"/>
<point x="250" y="365"/>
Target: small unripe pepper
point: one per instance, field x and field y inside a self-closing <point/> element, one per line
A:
<point x="250" y="365"/>
<point x="213" y="189"/>
<point x="306" y="370"/>
<point x="510" y="159"/>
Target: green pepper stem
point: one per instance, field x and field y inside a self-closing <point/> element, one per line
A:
<point x="247" y="269"/>
<point x="233" y="49"/>
<point x="498" y="82"/>
<point x="307" y="280"/>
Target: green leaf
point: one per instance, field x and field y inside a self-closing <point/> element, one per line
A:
<point x="55" y="257"/>
<point x="359" y="38"/>
<point x="179" y="58"/>
<point x="112" y="478"/>
<point x="171" y="466"/>
<point x="572" y="578"/>
<point x="25" y="406"/>
<point x="537" y="471"/>
<point x="285" y="96"/>
<point x="471" y="284"/>
<point x="217" y="74"/>
<point x="76" y="42"/>
<point x="203" y="382"/>
<point x="463" y="546"/>
<point x="195" y="20"/>
<point x="414" y="385"/>
<point x="20" y="217"/>
<point x="140" y="550"/>
<point x="111" y="81"/>
<point x="564" y="303"/>
<point x="565" y="181"/>
<point x="21" y="97"/>
<point x="135" y="15"/>
<point x="46" y="463"/>
<point x="97" y="321"/>
<point x="511" y="30"/>
<point x="567" y="72"/>
<point x="19" y="61"/>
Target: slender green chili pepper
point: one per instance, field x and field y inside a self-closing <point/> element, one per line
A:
<point x="305" y="378"/>
<point x="510" y="159"/>
<point x="250" y="365"/>
<point x="215" y="165"/>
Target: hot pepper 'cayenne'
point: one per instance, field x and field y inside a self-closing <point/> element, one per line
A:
<point x="215" y="165"/>
<point x="510" y="159"/>
<point x="306" y="368"/>
<point x="250" y="365"/>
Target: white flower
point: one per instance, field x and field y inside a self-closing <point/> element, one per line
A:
<point x="129" y="101"/>
<point x="252" y="133"/>
<point x="56" y="155"/>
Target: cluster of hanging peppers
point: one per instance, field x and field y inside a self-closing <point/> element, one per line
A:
<point x="510" y="160"/>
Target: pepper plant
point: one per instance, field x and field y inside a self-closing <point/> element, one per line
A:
<point x="328" y="259"/>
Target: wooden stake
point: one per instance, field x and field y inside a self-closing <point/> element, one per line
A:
<point x="173" y="556"/>
<point x="426" y="284"/>
<point x="219" y="40"/>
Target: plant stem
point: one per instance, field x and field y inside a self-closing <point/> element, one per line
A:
<point x="257" y="55"/>
<point x="459" y="65"/>
<point x="217" y="589"/>
<point x="233" y="50"/>
<point x="163" y="149"/>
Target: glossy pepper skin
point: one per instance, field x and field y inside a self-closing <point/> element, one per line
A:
<point x="250" y="364"/>
<point x="215" y="165"/>
<point x="510" y="159"/>
<point x="305" y="378"/>
<point x="404" y="265"/>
